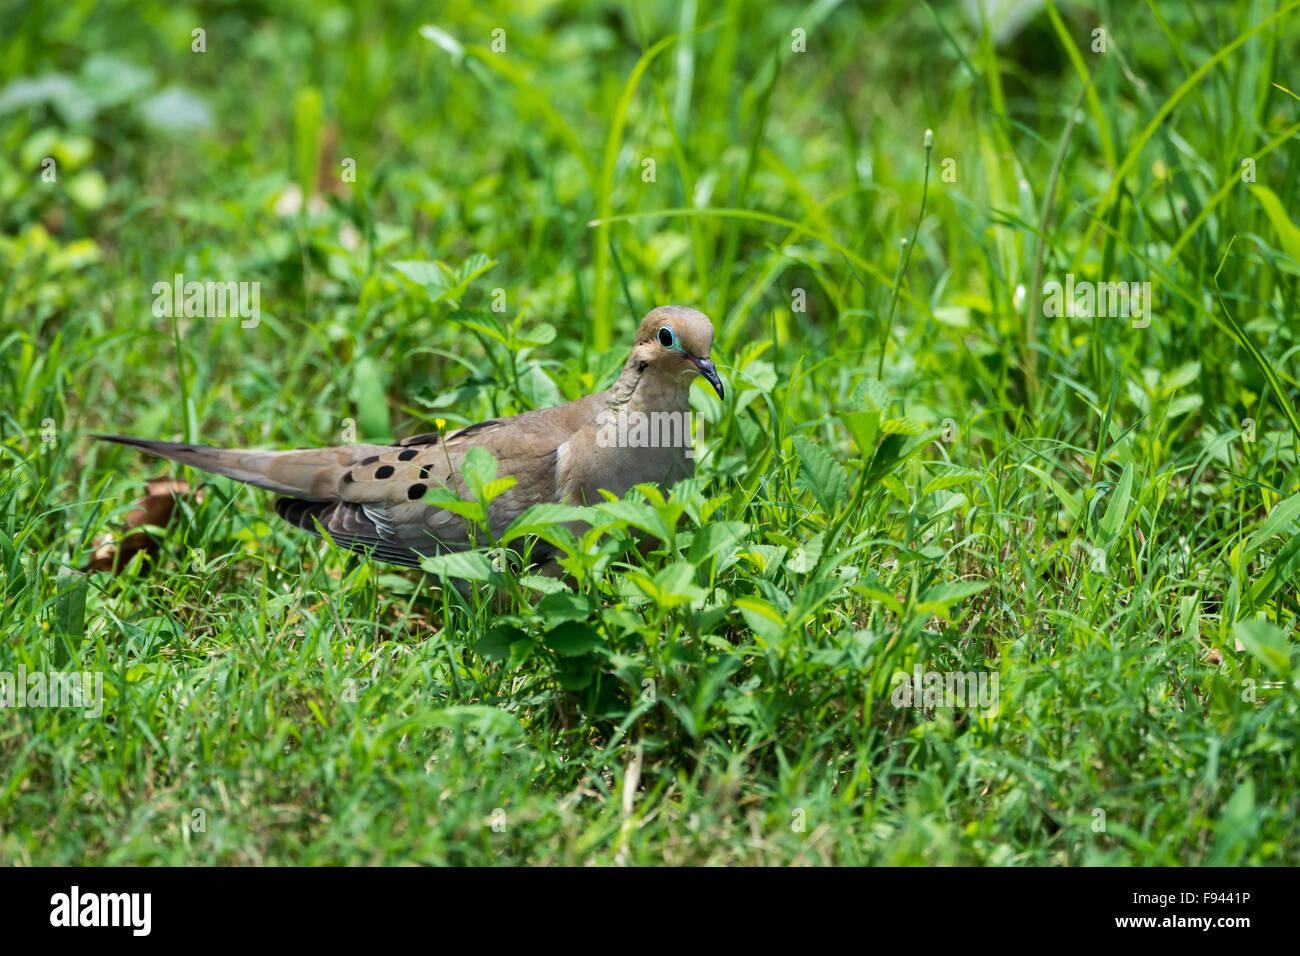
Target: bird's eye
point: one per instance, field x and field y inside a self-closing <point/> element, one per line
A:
<point x="667" y="337"/>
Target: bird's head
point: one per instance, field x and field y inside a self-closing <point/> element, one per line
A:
<point x="677" y="341"/>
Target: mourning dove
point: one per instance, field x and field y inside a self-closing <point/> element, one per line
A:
<point x="370" y="498"/>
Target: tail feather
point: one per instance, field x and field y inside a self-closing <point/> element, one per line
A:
<point x="310" y="474"/>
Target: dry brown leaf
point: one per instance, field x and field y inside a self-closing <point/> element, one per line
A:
<point x="155" y="509"/>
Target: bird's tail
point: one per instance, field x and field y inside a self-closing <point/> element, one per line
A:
<point x="311" y="474"/>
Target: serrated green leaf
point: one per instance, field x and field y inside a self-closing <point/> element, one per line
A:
<point x="949" y="479"/>
<point x="477" y="470"/>
<point x="448" y="500"/>
<point x="894" y="450"/>
<point x="497" y="487"/>
<point x="475" y="265"/>
<point x="543" y="517"/>
<point x="871" y="395"/>
<point x="821" y="474"/>
<point x="469" y="565"/>
<point x="1281" y="518"/>
<point x="542" y="334"/>
<point x="69" y="613"/>
<point x="634" y="513"/>
<point x="420" y="271"/>
<point x="901" y="426"/>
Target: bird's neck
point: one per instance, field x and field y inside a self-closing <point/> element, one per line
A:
<point x="643" y="387"/>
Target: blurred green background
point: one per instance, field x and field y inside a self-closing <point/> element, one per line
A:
<point x="389" y="171"/>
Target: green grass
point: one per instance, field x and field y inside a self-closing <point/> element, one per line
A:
<point x="916" y="469"/>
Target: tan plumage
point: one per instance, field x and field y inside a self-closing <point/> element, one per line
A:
<point x="370" y="497"/>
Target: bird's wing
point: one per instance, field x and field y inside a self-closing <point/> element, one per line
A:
<point x="371" y="497"/>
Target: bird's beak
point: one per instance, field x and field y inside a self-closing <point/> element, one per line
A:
<point x="710" y="372"/>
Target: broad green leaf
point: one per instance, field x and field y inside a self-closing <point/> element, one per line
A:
<point x="477" y="470"/>
<point x="871" y="396"/>
<point x="901" y="426"/>
<point x="1266" y="643"/>
<point x="1280" y="519"/>
<point x="543" y="517"/>
<point x="895" y="449"/>
<point x="453" y="291"/>
<point x="498" y="486"/>
<point x="495" y="644"/>
<point x="419" y="271"/>
<point x="1287" y="232"/>
<point x="572" y="639"/>
<point x="812" y="596"/>
<point x="714" y="537"/>
<point x="542" y="334"/>
<point x="1185" y="374"/>
<point x="864" y="429"/>
<point x="763" y="619"/>
<point x="949" y="479"/>
<point x="574" y="675"/>
<point x="1284" y="568"/>
<point x="69" y="613"/>
<point x="634" y="513"/>
<point x="478" y="716"/>
<point x="953" y="591"/>
<point x="821" y="474"/>
<point x="495" y="334"/>
<point x="1117" y="508"/>
<point x="475" y="265"/>
<point x="368" y="397"/>
<point x="470" y="565"/>
<point x="673" y="586"/>
<point x="1236" y="827"/>
<point x="677" y="585"/>
<point x="70" y="604"/>
<point x="448" y="500"/>
<point x="565" y="606"/>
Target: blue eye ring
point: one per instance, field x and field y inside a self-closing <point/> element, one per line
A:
<point x="666" y="333"/>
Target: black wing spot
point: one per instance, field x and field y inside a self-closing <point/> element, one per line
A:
<point x="384" y="471"/>
<point x="416" y="491"/>
<point x="424" y="472"/>
<point x="370" y="461"/>
<point x="473" y="428"/>
<point x="407" y="455"/>
<point x="347" y="478"/>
